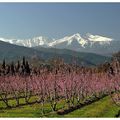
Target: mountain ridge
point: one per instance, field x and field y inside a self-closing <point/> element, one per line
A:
<point x="93" y="43"/>
<point x="40" y="40"/>
<point x="13" y="52"/>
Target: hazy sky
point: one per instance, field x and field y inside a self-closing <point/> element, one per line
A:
<point x="56" y="20"/>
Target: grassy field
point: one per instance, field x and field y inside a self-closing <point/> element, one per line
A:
<point x="102" y="108"/>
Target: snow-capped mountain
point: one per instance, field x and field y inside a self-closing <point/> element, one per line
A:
<point x="44" y="41"/>
<point x="87" y="43"/>
<point x="69" y="40"/>
<point x="82" y="41"/>
<point x="37" y="41"/>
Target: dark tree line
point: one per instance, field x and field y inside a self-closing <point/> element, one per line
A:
<point x="24" y="68"/>
<point x="12" y="69"/>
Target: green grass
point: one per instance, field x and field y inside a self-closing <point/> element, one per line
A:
<point x="34" y="110"/>
<point x="102" y="108"/>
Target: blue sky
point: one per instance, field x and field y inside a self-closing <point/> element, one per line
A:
<point x="56" y="20"/>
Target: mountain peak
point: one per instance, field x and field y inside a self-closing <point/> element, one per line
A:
<point x="98" y="38"/>
<point x="88" y="42"/>
<point x="77" y="35"/>
<point x="67" y="41"/>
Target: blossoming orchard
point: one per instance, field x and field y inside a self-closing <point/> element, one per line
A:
<point x="73" y="85"/>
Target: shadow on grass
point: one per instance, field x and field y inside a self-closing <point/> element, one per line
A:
<point x="72" y="108"/>
<point x="118" y="114"/>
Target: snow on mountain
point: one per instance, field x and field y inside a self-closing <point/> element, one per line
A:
<point x="67" y="41"/>
<point x="27" y="42"/>
<point x="7" y="40"/>
<point x="82" y="41"/>
<point x="98" y="38"/>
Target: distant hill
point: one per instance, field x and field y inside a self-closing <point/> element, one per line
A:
<point x="13" y="52"/>
<point x="89" y="57"/>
